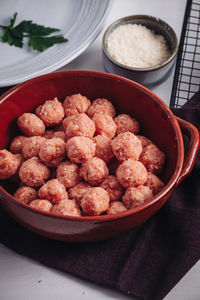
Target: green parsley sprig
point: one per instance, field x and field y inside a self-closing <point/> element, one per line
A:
<point x="39" y="36"/>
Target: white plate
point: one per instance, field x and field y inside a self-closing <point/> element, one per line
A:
<point x="80" y="22"/>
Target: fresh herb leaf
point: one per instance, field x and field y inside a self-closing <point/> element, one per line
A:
<point x="11" y="35"/>
<point x="35" y="29"/>
<point x="13" y="19"/>
<point x="39" y="36"/>
<point x="41" y="43"/>
<point x="12" y="38"/>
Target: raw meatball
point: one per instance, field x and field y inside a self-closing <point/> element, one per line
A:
<point x="131" y="173"/>
<point x="42" y="205"/>
<point x="66" y="207"/>
<point x="116" y="207"/>
<point x="66" y="121"/>
<point x="30" y="124"/>
<point x="49" y="134"/>
<point x="77" y="192"/>
<point x="51" y="112"/>
<point x="103" y="148"/>
<point x="126" y="123"/>
<point x="79" y="125"/>
<point x="103" y="106"/>
<point x="94" y="170"/>
<point x="16" y="144"/>
<point x="126" y="145"/>
<point x="20" y="159"/>
<point x="153" y="159"/>
<point x="95" y="201"/>
<point x="15" y="178"/>
<point x="105" y="125"/>
<point x="154" y="183"/>
<point x="113" y="187"/>
<point x="52" y="152"/>
<point x="144" y="140"/>
<point x="79" y="149"/>
<point x="33" y="172"/>
<point x="60" y="134"/>
<point x="25" y="194"/>
<point x="68" y="174"/>
<point x="9" y="164"/>
<point x="53" y="190"/>
<point x="31" y="146"/>
<point x="136" y="196"/>
<point x="75" y="104"/>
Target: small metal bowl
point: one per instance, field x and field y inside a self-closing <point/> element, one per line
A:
<point x="146" y="76"/>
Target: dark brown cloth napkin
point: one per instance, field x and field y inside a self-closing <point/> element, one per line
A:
<point x="145" y="262"/>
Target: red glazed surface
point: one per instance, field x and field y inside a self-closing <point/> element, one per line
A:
<point x="158" y="124"/>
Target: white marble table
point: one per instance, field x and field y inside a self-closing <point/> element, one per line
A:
<point x="24" y="279"/>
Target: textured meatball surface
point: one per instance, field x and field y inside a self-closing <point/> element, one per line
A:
<point x="75" y="104"/>
<point x="116" y="207"/>
<point x="131" y="173"/>
<point x="126" y="145"/>
<point x="101" y="105"/>
<point x="49" y="134"/>
<point x="31" y="146"/>
<point x="9" y="164"/>
<point x="113" y="187"/>
<point x="144" y="140"/>
<point x="153" y="159"/>
<point x="31" y="125"/>
<point x="105" y="125"/>
<point x="51" y="112"/>
<point x="77" y="192"/>
<point x="94" y="170"/>
<point x="68" y="174"/>
<point x="41" y="205"/>
<point x="33" y="172"/>
<point x="79" y="149"/>
<point x="154" y="183"/>
<point x="79" y="125"/>
<point x="136" y="196"/>
<point x="53" y="190"/>
<point x="25" y="194"/>
<point x="126" y="123"/>
<point x="66" y="207"/>
<point x="52" y="152"/>
<point x="103" y="147"/>
<point x="17" y="143"/>
<point x="95" y="201"/>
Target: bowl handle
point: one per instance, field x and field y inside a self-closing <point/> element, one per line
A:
<point x="191" y="148"/>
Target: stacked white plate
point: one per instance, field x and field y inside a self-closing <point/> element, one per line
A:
<point x="80" y="22"/>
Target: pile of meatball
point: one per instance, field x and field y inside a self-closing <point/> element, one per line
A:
<point x="77" y="158"/>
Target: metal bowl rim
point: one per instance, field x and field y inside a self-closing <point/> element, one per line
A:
<point x="135" y="17"/>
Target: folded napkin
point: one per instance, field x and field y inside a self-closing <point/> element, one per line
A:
<point x="145" y="262"/>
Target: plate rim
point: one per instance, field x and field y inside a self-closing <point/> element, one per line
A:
<point x="65" y="60"/>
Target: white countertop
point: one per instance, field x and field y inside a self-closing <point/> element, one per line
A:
<point x="24" y="279"/>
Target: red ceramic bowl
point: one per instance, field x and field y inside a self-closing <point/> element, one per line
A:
<point x="157" y="121"/>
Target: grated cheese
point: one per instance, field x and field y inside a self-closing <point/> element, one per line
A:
<point x="136" y="46"/>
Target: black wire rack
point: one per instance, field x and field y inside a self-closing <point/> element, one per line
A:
<point x="187" y="71"/>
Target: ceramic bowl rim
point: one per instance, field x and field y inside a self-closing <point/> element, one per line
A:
<point x="106" y="218"/>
